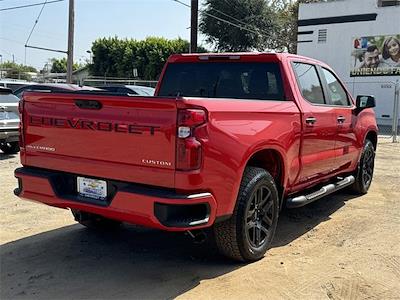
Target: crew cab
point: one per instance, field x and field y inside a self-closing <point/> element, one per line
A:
<point x="227" y="141"/>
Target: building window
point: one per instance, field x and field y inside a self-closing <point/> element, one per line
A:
<point x="383" y="3"/>
<point x="322" y="35"/>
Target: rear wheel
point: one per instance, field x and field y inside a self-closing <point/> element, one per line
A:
<point x="10" y="148"/>
<point x="365" y="170"/>
<point x="247" y="235"/>
<point x="94" y="221"/>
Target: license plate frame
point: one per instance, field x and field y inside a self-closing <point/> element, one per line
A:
<point x="92" y="188"/>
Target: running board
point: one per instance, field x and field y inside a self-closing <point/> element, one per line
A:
<point x="302" y="200"/>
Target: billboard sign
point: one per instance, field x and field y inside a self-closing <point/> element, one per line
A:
<point x="375" y="56"/>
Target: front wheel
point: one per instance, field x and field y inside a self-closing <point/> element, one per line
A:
<point x="365" y="170"/>
<point x="247" y="235"/>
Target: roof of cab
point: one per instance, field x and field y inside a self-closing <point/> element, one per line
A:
<point x="237" y="56"/>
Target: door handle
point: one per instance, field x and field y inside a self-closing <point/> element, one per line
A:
<point x="341" y="119"/>
<point x="311" y="120"/>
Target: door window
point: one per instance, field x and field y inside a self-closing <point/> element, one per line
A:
<point x="335" y="90"/>
<point x="309" y="83"/>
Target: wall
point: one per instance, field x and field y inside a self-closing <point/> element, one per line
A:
<point x="336" y="52"/>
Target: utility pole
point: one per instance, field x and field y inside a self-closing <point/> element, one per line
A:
<point x="70" y="51"/>
<point x="194" y="25"/>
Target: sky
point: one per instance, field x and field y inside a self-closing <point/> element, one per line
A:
<point x="93" y="19"/>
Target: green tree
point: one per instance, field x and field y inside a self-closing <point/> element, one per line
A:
<point x="17" y="71"/>
<point x="287" y="30"/>
<point x="288" y="12"/>
<point x="59" y="65"/>
<point x="256" y="25"/>
<point x="114" y="57"/>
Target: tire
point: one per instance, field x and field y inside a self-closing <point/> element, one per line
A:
<point x="10" y="148"/>
<point x="248" y="234"/>
<point x="94" y="221"/>
<point x="365" y="170"/>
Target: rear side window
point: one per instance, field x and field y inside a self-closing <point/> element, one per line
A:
<point x="309" y="83"/>
<point x="223" y="80"/>
<point x="336" y="91"/>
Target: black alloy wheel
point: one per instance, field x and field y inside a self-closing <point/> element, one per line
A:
<point x="367" y="166"/>
<point x="365" y="171"/>
<point x="248" y="233"/>
<point x="259" y="217"/>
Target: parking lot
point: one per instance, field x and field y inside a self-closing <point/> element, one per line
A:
<point x="341" y="247"/>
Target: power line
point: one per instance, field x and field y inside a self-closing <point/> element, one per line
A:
<point x="43" y="34"/>
<point x="30" y="5"/>
<point x="10" y="40"/>
<point x="241" y="21"/>
<point x="229" y="16"/>
<point x="219" y="18"/>
<point x="34" y="25"/>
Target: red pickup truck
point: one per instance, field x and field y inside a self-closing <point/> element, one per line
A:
<point x="225" y="143"/>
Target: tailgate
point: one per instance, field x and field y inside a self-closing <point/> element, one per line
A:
<point x="126" y="138"/>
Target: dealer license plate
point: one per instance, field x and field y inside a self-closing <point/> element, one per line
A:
<point x="92" y="188"/>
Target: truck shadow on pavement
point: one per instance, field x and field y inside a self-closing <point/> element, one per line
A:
<point x="4" y="156"/>
<point x="76" y="263"/>
<point x="293" y="223"/>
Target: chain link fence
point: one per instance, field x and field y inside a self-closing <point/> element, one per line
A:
<point x="387" y="104"/>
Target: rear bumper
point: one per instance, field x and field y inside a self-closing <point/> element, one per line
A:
<point x="8" y="135"/>
<point x="127" y="202"/>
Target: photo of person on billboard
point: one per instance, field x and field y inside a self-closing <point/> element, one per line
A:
<point x="391" y="51"/>
<point x="376" y="56"/>
<point x="371" y="58"/>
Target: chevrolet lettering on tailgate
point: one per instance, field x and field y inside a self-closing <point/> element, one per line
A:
<point x="91" y="125"/>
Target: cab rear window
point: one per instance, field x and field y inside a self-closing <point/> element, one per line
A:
<point x="223" y="80"/>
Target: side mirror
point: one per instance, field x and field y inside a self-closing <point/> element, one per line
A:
<point x="365" y="102"/>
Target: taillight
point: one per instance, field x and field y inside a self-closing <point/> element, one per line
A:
<point x="189" y="151"/>
<point x="21" y="123"/>
<point x="191" y="117"/>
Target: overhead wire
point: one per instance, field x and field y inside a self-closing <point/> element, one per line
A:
<point x="36" y="21"/>
<point x="241" y="21"/>
<point x="10" y="40"/>
<point x="229" y="16"/>
<point x="219" y="18"/>
<point x="29" y="5"/>
<point x="33" y="27"/>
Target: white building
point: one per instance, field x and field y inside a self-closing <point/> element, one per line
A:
<point x="340" y="32"/>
